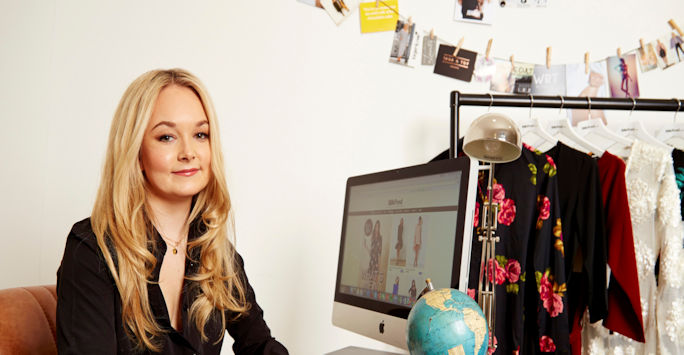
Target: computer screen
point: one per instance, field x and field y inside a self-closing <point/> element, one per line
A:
<point x="399" y="228"/>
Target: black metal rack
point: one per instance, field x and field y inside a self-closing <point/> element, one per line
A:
<point x="459" y="99"/>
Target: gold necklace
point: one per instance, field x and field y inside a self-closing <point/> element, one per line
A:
<point x="174" y="246"/>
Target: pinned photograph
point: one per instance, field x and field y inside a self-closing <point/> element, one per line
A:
<point x="339" y="10"/>
<point x="404" y="44"/>
<point x="648" y="59"/>
<point x="429" y="49"/>
<point x="484" y="69"/>
<point x="548" y="81"/>
<point x="458" y="67"/>
<point x="380" y="18"/>
<point x="676" y="44"/>
<point x="622" y="76"/>
<point x="477" y="11"/>
<point x="666" y="56"/>
<point x="522" y="75"/>
<point x="591" y="84"/>
<point x="512" y="77"/>
<point x="503" y="80"/>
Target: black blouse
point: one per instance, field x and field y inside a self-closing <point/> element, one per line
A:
<point x="89" y="317"/>
<point x="678" y="161"/>
<point x="579" y="192"/>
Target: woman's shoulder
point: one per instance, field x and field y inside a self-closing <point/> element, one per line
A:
<point x="83" y="231"/>
<point x="82" y="239"/>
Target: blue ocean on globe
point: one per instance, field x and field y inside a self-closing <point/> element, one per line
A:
<point x="447" y="321"/>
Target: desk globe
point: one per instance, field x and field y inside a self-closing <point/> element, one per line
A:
<point x="447" y="321"/>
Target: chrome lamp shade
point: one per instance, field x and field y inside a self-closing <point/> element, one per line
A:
<point x="493" y="138"/>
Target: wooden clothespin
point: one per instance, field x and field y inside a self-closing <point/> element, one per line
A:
<point x="619" y="52"/>
<point x="410" y="21"/>
<point x="674" y="26"/>
<point x="641" y="43"/>
<point x="489" y="48"/>
<point x="458" y="46"/>
<point x="432" y="33"/>
<point x="512" y="62"/>
<point x="586" y="63"/>
<point x="548" y="57"/>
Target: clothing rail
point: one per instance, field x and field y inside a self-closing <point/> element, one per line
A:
<point x="459" y="99"/>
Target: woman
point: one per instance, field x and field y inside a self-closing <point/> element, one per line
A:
<point x="662" y="52"/>
<point x="417" y="240"/>
<point x="413" y="291"/>
<point x="624" y="72"/>
<point x="400" y="238"/>
<point x="152" y="270"/>
<point x="375" y="251"/>
<point x="403" y="36"/>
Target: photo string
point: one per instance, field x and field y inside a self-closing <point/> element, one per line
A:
<point x="441" y="40"/>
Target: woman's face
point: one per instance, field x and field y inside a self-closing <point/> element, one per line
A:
<point x="175" y="153"/>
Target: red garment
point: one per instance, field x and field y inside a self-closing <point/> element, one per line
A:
<point x="624" y="307"/>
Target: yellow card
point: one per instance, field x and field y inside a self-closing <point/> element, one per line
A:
<point x="381" y="18"/>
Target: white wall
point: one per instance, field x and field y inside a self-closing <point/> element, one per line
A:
<point x="303" y="104"/>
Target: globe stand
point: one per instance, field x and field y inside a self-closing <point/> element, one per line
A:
<point x="486" y="287"/>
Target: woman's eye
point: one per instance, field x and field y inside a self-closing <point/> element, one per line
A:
<point x="165" y="138"/>
<point x="202" y="135"/>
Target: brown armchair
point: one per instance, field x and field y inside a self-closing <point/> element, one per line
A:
<point x="27" y="320"/>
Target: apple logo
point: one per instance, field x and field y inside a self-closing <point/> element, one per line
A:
<point x="381" y="327"/>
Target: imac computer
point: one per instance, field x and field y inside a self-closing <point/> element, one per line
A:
<point x="399" y="228"/>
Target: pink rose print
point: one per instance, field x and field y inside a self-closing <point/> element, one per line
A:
<point x="551" y="162"/>
<point x="498" y="193"/>
<point x="471" y="292"/>
<point x="546" y="344"/>
<point x="545" y="288"/>
<point x="544" y="207"/>
<point x="476" y="219"/>
<point x="500" y="272"/>
<point x="491" y="351"/>
<point x="554" y="304"/>
<point x="506" y="215"/>
<point x="512" y="270"/>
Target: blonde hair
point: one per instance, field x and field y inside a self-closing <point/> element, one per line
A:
<point x="121" y="223"/>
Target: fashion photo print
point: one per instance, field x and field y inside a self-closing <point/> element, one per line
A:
<point x="339" y="10"/>
<point x="475" y="11"/>
<point x="405" y="44"/>
<point x="622" y="76"/>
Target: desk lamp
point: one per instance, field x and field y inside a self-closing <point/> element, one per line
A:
<point x="491" y="138"/>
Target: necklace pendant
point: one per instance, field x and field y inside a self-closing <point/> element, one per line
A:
<point x="175" y="251"/>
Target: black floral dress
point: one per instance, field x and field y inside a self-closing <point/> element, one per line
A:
<point x="531" y="303"/>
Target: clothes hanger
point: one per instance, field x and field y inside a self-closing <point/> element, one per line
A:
<point x="636" y="129"/>
<point x="673" y="133"/>
<point x="562" y="129"/>
<point x="534" y="134"/>
<point x="595" y="131"/>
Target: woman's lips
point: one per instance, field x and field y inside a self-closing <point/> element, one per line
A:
<point x="186" y="172"/>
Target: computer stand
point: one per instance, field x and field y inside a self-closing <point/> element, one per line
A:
<point x="354" y="350"/>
